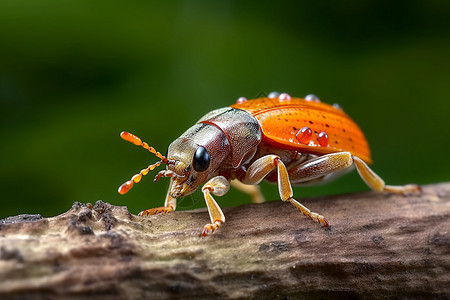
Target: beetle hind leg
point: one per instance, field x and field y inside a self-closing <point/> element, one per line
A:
<point x="377" y="184"/>
<point x="403" y="189"/>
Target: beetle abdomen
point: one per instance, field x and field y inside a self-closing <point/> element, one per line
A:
<point x="307" y="126"/>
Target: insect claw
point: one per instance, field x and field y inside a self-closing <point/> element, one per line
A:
<point x="163" y="173"/>
<point x="159" y="175"/>
<point x="210" y="228"/>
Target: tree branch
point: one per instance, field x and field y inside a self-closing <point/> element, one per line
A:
<point x="379" y="245"/>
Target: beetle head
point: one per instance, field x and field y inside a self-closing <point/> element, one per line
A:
<point x="189" y="167"/>
<point x="196" y="156"/>
<point x="191" y="159"/>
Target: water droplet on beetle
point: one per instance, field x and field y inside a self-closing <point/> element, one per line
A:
<point x="323" y="139"/>
<point x="304" y="135"/>
<point x="312" y="97"/>
<point x="284" y="97"/>
<point x="273" y="95"/>
<point x="241" y="100"/>
<point x="337" y="106"/>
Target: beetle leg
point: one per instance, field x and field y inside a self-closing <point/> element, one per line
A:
<point x="377" y="184"/>
<point x="218" y="186"/>
<point x="253" y="190"/>
<point x="169" y="205"/>
<point x="331" y="163"/>
<point x="262" y="167"/>
<point x="317" y="168"/>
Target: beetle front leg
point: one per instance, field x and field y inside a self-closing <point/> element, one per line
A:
<point x="169" y="205"/>
<point x="262" y="167"/>
<point x="377" y="184"/>
<point x="218" y="186"/>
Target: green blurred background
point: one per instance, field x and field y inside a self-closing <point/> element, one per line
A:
<point x="74" y="74"/>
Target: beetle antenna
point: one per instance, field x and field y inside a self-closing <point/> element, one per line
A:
<point x="129" y="137"/>
<point x="136" y="178"/>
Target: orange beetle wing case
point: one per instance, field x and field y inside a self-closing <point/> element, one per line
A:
<point x="307" y="126"/>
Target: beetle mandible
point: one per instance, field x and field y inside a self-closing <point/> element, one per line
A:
<point x="284" y="140"/>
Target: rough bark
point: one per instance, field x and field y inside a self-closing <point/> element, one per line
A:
<point x="378" y="245"/>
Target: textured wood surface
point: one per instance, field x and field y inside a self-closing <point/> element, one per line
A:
<point x="378" y="245"/>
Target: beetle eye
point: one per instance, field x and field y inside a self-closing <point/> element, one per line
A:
<point x="201" y="159"/>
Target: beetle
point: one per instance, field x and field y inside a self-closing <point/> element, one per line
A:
<point x="279" y="138"/>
